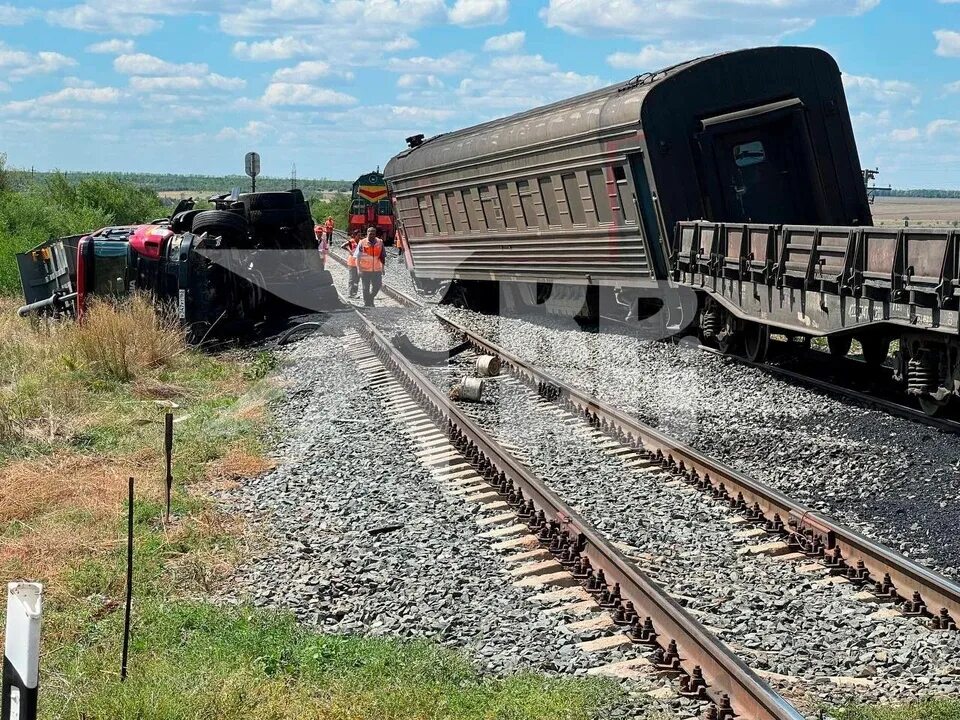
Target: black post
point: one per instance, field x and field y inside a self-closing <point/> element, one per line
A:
<point x="168" y="453"/>
<point x="126" y="619"/>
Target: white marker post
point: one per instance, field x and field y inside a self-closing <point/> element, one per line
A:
<point x="21" y="656"/>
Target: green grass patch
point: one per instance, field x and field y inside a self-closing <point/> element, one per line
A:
<point x="198" y="661"/>
<point x="935" y="709"/>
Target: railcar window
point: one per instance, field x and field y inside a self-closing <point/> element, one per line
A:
<point x="438" y="209"/>
<point x="506" y="206"/>
<point x="528" y="203"/>
<point x="571" y="189"/>
<point x="550" y="206"/>
<point x="427" y="215"/>
<point x="628" y="208"/>
<point x="491" y="208"/>
<point x="474" y="211"/>
<point x="601" y="195"/>
<point x="750" y="153"/>
<point x="448" y="209"/>
<point x="458" y="210"/>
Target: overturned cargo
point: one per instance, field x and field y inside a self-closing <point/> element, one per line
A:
<point x="252" y="258"/>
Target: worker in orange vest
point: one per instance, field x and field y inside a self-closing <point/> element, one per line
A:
<point x="370" y="257"/>
<point x="351" y="246"/>
<point x="328" y="228"/>
<point x="323" y="244"/>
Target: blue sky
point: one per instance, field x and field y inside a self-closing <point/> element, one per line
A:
<point x="336" y="85"/>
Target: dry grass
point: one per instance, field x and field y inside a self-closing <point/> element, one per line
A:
<point x="119" y="341"/>
<point x="48" y="368"/>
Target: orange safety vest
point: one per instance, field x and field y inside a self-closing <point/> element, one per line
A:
<point x="351" y="260"/>
<point x="370" y="256"/>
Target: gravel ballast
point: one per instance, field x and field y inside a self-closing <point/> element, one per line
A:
<point x="780" y="620"/>
<point x="346" y="467"/>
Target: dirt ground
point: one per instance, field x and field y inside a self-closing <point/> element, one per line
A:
<point x="921" y="211"/>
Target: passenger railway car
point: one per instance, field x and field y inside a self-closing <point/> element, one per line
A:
<point x="370" y="205"/>
<point x="597" y="191"/>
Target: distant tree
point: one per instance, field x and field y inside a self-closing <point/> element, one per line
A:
<point x="4" y="175"/>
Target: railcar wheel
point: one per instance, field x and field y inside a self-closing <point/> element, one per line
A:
<point x="729" y="339"/>
<point x="875" y="350"/>
<point x="931" y="406"/>
<point x="756" y="341"/>
<point x="839" y="345"/>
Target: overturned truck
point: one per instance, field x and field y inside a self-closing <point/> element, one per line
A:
<point x="250" y="259"/>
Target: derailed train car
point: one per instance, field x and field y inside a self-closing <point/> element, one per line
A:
<point x="757" y="145"/>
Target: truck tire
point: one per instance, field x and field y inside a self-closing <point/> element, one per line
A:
<point x="231" y="226"/>
<point x="272" y="200"/>
<point x="219" y="219"/>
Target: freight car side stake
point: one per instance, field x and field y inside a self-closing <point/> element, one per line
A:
<point x="680" y="644"/>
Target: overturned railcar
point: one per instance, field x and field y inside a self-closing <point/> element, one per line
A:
<point x="589" y="189"/>
<point x="734" y="175"/>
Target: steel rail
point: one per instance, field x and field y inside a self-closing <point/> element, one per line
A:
<point x="906" y="576"/>
<point x="890" y="406"/>
<point x="728" y="678"/>
<point x="912" y="583"/>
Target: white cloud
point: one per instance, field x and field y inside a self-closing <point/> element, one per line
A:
<point x="953" y="87"/>
<point x="66" y="96"/>
<point x="943" y="127"/>
<point x="669" y="52"/>
<point x="904" y="134"/>
<point x="43" y="63"/>
<point x="410" y="81"/>
<point x="303" y="72"/>
<point x="865" y="89"/>
<point x="253" y="130"/>
<point x="10" y="15"/>
<point x="751" y="21"/>
<point x="347" y="20"/>
<point x="281" y="48"/>
<point x="508" y="42"/>
<point x="18" y="64"/>
<point x="421" y="114"/>
<point x="400" y="43"/>
<point x="448" y="64"/>
<point x="180" y="84"/>
<point x="113" y="20"/>
<point x="471" y="13"/>
<point x="279" y="94"/>
<point x="519" y="82"/>
<point x="143" y="64"/>
<point x="948" y="43"/>
<point x="112" y="47"/>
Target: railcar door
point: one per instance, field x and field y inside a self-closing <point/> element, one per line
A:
<point x="760" y="167"/>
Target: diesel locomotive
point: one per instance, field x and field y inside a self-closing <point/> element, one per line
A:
<point x="735" y="176"/>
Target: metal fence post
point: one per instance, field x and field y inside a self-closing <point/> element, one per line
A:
<point x="168" y="456"/>
<point x="21" y="655"/>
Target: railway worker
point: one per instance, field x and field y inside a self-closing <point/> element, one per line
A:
<point x="351" y="247"/>
<point x="328" y="228"/>
<point x="323" y="245"/>
<point x="370" y="255"/>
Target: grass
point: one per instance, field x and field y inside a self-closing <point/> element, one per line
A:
<point x="936" y="709"/>
<point x="194" y="660"/>
<point x="81" y="410"/>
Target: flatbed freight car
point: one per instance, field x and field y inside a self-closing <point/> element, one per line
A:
<point x="596" y="194"/>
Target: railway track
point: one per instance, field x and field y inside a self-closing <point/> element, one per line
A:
<point x="791" y="529"/>
<point x="875" y="567"/>
<point x="567" y="544"/>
